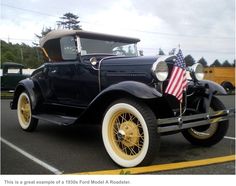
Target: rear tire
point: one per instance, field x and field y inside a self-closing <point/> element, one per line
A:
<point x="24" y="113"/>
<point x="129" y="132"/>
<point x="210" y="134"/>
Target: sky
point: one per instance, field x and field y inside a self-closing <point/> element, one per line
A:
<point x="202" y="28"/>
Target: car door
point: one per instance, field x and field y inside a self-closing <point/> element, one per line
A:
<point x="87" y="83"/>
<point x="73" y="83"/>
<point x="62" y="77"/>
<point x="72" y="80"/>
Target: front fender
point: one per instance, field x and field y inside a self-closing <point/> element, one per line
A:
<point x="204" y="90"/>
<point x="214" y="88"/>
<point x="136" y="89"/>
<point x="117" y="91"/>
<point x="31" y="88"/>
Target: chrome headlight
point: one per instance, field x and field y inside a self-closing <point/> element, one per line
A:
<point x="197" y="71"/>
<point x="160" y="69"/>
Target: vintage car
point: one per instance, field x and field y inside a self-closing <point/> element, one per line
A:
<point x="97" y="78"/>
<point x="12" y="73"/>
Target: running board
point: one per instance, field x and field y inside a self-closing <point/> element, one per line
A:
<point x="57" y="119"/>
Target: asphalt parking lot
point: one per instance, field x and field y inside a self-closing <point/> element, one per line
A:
<point x="79" y="149"/>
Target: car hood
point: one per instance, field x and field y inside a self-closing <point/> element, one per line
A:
<point x="129" y="61"/>
<point x="117" y="69"/>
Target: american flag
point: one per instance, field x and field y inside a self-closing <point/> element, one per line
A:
<point x="178" y="80"/>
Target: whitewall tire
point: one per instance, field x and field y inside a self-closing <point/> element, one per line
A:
<point x="24" y="113"/>
<point x="129" y="133"/>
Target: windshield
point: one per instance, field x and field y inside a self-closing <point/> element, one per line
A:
<point x="89" y="46"/>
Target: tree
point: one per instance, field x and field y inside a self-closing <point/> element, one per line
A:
<point x="8" y="56"/>
<point x="69" y="21"/>
<point x="189" y="60"/>
<point x="203" y="62"/>
<point x="216" y="63"/>
<point x="161" y="52"/>
<point x="20" y="53"/>
<point x="233" y="65"/>
<point x="226" y="64"/>
<point x="44" y="32"/>
<point x="8" y="52"/>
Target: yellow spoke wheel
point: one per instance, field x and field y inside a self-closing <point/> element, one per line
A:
<point x="24" y="113"/>
<point x="126" y="135"/>
<point x="210" y="134"/>
<point x="129" y="133"/>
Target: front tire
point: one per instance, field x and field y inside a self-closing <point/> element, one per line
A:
<point x="24" y="113"/>
<point x="210" y="134"/>
<point x="129" y="133"/>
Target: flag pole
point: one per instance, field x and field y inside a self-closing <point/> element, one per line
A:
<point x="180" y="105"/>
<point x="179" y="46"/>
<point x="180" y="108"/>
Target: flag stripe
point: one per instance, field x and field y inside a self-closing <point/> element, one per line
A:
<point x="179" y="85"/>
<point x="171" y="79"/>
<point x="175" y="84"/>
<point x="178" y="80"/>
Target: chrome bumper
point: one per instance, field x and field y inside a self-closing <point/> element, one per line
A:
<point x="185" y="122"/>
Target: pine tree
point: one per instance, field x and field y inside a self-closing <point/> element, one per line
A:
<point x="69" y="21"/>
<point x="189" y="60"/>
<point x="216" y="63"/>
<point x="44" y="32"/>
<point x="226" y="64"/>
<point x="161" y="52"/>
<point x="203" y="62"/>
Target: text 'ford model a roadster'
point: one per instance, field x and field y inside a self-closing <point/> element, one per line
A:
<point x="98" y="78"/>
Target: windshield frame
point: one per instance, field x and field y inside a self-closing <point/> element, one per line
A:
<point x="133" y="45"/>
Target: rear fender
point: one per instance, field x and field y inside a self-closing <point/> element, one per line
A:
<point x="31" y="88"/>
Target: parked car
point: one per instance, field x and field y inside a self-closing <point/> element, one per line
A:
<point x="12" y="73"/>
<point x="97" y="78"/>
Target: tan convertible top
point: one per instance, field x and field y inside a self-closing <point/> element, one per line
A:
<point x="85" y="34"/>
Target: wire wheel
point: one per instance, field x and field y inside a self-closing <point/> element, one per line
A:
<point x="24" y="113"/>
<point x="126" y="134"/>
<point x="210" y="134"/>
<point x="129" y="133"/>
<point x="204" y="132"/>
<point x="199" y="134"/>
<point x="24" y="110"/>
